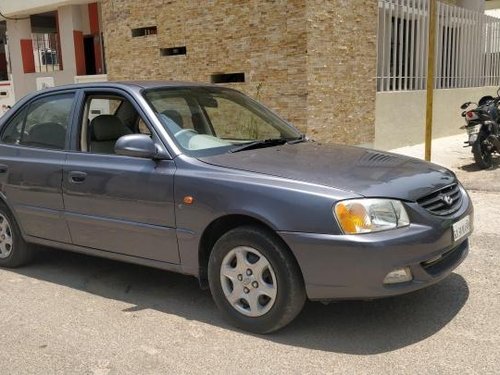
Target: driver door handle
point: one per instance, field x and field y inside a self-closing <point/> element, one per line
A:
<point x="77" y="177"/>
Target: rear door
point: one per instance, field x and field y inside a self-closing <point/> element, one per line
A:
<point x="32" y="153"/>
<point x="116" y="203"/>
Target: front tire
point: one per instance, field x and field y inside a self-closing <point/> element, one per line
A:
<point x="482" y="155"/>
<point x="14" y="251"/>
<point x="255" y="281"/>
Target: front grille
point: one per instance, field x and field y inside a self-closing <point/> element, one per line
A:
<point x="444" y="262"/>
<point x="443" y="202"/>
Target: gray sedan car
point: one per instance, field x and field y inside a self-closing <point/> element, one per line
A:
<point x="205" y="181"/>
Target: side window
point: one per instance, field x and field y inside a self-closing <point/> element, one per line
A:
<point x="143" y="128"/>
<point x="103" y="107"/>
<point x="44" y="124"/>
<point x="233" y="121"/>
<point x="108" y="117"/>
<point x="14" y="129"/>
<point x="176" y="109"/>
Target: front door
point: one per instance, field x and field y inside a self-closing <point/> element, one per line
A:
<point x="116" y="203"/>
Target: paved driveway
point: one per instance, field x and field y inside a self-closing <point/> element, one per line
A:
<point x="72" y="314"/>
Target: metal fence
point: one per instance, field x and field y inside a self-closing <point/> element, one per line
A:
<point x="467" y="46"/>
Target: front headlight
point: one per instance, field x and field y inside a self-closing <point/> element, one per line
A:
<point x="370" y="215"/>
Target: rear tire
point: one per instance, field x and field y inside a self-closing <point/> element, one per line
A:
<point x="14" y="251"/>
<point x="482" y="156"/>
<point x="255" y="281"/>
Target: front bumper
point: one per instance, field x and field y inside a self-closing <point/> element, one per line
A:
<point x="354" y="266"/>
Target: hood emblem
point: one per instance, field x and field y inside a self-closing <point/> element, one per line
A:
<point x="447" y="199"/>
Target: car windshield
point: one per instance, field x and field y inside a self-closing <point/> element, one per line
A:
<point x="211" y="120"/>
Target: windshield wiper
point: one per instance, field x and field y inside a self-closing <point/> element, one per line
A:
<point x="259" y="144"/>
<point x="269" y="143"/>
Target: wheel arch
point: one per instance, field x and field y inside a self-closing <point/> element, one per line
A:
<point x="217" y="228"/>
<point x="6" y="203"/>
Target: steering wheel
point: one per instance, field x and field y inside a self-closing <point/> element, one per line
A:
<point x="183" y="131"/>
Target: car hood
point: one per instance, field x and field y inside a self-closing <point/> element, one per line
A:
<point x="362" y="171"/>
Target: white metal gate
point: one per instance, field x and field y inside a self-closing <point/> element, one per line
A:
<point x="467" y="46"/>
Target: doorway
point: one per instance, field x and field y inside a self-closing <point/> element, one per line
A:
<point x="89" y="50"/>
<point x="4" y="74"/>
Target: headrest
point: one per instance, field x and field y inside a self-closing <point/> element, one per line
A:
<point x="108" y="128"/>
<point x="174" y="116"/>
<point x="48" y="133"/>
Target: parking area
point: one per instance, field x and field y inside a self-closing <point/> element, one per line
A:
<point x="72" y="314"/>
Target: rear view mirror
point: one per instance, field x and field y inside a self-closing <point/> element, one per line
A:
<point x="465" y="105"/>
<point x="136" y="145"/>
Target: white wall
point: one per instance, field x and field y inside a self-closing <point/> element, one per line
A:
<point x="400" y="116"/>
<point x="23" y="7"/>
<point x="6" y="95"/>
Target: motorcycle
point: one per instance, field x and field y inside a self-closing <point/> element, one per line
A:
<point x="483" y="129"/>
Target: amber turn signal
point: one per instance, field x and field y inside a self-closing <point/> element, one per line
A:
<point x="188" y="199"/>
<point x="352" y="217"/>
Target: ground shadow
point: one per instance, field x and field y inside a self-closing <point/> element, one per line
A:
<point x="344" y="327"/>
<point x="472" y="167"/>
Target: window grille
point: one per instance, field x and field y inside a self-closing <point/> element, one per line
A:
<point x="46" y="52"/>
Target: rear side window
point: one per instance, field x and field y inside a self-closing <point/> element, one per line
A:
<point x="13" y="130"/>
<point x="44" y="124"/>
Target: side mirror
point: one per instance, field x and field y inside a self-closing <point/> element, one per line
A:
<point x="136" y="145"/>
<point x="465" y="105"/>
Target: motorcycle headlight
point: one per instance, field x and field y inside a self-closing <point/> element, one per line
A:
<point x="370" y="215"/>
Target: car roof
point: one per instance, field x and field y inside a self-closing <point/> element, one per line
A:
<point x="134" y="86"/>
<point x="129" y="84"/>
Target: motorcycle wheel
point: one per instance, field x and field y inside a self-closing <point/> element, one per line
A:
<point x="482" y="155"/>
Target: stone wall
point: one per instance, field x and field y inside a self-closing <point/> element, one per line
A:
<point x="312" y="61"/>
<point x="342" y="45"/>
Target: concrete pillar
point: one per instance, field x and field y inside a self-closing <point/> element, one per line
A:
<point x="68" y="22"/>
<point x="16" y="31"/>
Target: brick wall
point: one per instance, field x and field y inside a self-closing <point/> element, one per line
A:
<point x="312" y="61"/>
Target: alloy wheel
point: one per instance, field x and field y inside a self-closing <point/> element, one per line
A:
<point x="248" y="281"/>
<point x="5" y="237"/>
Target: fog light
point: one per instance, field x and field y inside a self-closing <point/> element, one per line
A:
<point x="401" y="275"/>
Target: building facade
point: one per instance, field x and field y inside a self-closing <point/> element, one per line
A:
<point x="280" y="52"/>
<point x="467" y="66"/>
<point x="48" y="43"/>
<point x="341" y="71"/>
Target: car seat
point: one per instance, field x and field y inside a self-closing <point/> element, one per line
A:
<point x="104" y="132"/>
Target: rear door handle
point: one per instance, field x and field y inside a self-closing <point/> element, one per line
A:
<point x="3" y="168"/>
<point x="77" y="177"/>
